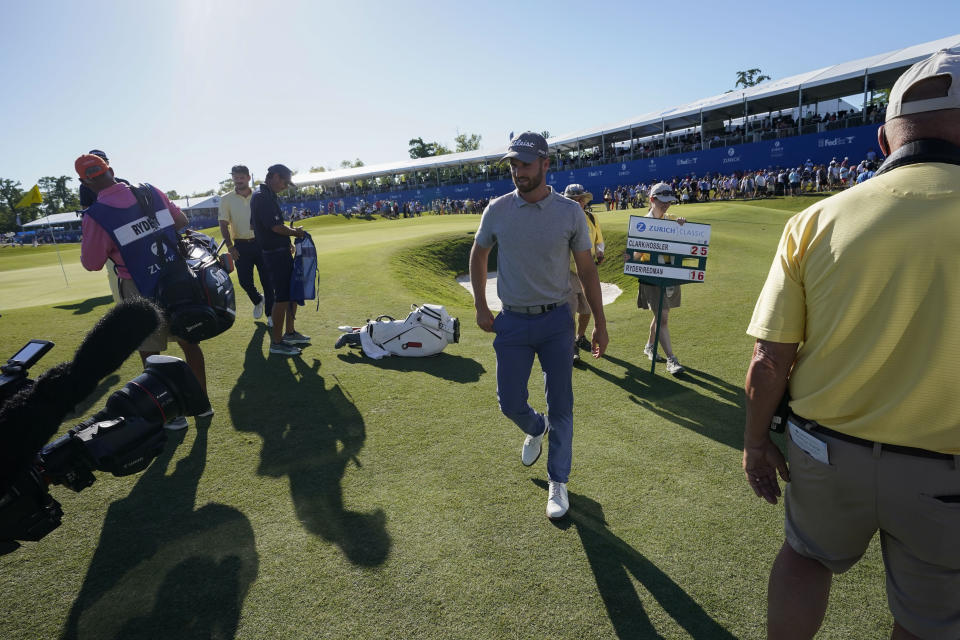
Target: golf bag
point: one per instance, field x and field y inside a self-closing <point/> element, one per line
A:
<point x="426" y="332"/>
<point x="197" y="295"/>
<point x="304" y="279"/>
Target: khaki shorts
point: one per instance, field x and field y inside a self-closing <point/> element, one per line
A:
<point x="577" y="300"/>
<point x="649" y="297"/>
<point x="113" y="280"/>
<point x="833" y="510"/>
<point x="156" y="341"/>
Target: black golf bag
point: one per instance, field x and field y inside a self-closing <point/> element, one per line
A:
<point x="196" y="294"/>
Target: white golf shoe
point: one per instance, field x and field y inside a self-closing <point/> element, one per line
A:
<point x="558" y="502"/>
<point x="648" y="351"/>
<point x="533" y="445"/>
<point x="674" y="367"/>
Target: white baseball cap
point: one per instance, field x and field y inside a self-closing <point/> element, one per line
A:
<point x="945" y="62"/>
<point x="662" y="192"/>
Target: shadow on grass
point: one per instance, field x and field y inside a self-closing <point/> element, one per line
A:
<point x="310" y="433"/>
<point x="163" y="570"/>
<point x="613" y="561"/>
<point x="443" y="365"/>
<point x="662" y="395"/>
<point x="86" y="306"/>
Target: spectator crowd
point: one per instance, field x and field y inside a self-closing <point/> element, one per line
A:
<point x="836" y="175"/>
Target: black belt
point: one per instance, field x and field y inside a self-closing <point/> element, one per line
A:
<point x="892" y="448"/>
<point x="535" y="310"/>
<point x="236" y="240"/>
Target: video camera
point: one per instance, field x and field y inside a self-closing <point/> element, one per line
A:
<point x="122" y="438"/>
<point x="13" y="375"/>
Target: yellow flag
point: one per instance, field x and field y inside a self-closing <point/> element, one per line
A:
<point x="30" y="197"/>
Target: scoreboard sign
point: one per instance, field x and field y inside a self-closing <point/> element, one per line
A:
<point x="666" y="253"/>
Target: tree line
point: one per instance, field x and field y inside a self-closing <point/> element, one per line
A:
<point x="58" y="196"/>
<point x="419" y="148"/>
<point x="463" y="142"/>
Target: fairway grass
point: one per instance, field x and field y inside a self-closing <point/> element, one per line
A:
<point x="333" y="496"/>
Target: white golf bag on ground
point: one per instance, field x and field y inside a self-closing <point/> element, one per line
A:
<point x="426" y="331"/>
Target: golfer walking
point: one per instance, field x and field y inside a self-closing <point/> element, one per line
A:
<point x="536" y="229"/>
<point x="234" y="218"/>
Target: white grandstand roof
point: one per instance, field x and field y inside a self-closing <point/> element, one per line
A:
<point x="828" y="83"/>
<point x="53" y="220"/>
<point x="199" y="202"/>
<point x="399" y="166"/>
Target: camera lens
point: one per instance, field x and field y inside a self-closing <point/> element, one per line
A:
<point x="166" y="389"/>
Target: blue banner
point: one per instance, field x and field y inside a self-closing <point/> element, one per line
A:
<point x="788" y="152"/>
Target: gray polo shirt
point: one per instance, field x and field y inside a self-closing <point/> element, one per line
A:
<point x="535" y="241"/>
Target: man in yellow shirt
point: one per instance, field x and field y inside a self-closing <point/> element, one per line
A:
<point x="234" y="218"/>
<point x="578" y="301"/>
<point x="861" y="304"/>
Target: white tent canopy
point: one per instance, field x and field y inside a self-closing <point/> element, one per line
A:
<point x="200" y="202"/>
<point x="54" y="220"/>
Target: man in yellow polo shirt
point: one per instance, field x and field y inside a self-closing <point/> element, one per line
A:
<point x="578" y="300"/>
<point x="862" y="305"/>
<point x="234" y="218"/>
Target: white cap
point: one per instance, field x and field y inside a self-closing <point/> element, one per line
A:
<point x="945" y="62"/>
<point x="662" y="192"/>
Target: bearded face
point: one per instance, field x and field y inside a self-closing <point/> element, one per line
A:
<point x="527" y="176"/>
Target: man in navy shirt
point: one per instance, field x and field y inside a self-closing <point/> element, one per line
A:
<point x="266" y="219"/>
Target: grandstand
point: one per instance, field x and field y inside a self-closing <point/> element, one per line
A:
<point x="780" y="123"/>
<point x="202" y="212"/>
<point x="56" y="227"/>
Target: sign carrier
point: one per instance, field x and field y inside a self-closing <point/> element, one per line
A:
<point x="665" y="253"/>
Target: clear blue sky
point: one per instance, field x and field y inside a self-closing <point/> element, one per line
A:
<point x="177" y="92"/>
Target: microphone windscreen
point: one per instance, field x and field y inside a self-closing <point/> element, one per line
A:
<point x="113" y="339"/>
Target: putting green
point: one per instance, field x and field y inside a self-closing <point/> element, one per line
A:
<point x="46" y="285"/>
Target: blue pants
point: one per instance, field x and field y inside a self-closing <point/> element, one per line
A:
<point x="549" y="336"/>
